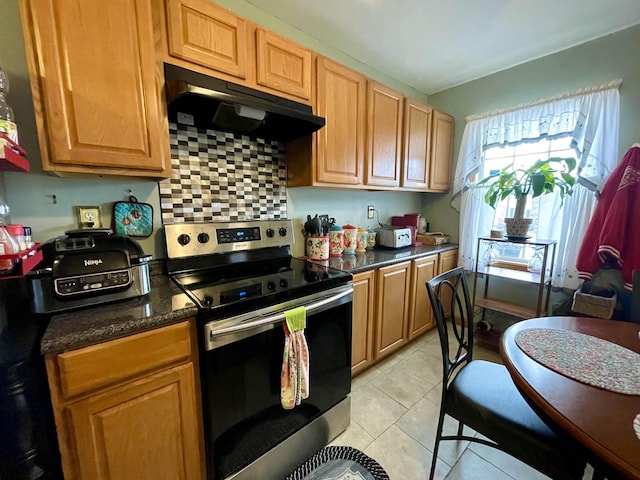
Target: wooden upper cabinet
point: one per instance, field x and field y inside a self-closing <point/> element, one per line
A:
<point x="283" y="65"/>
<point x="384" y="135"/>
<point x="341" y="100"/>
<point x="206" y="34"/>
<point x="416" y="153"/>
<point x="441" y="152"/>
<point x="95" y="84"/>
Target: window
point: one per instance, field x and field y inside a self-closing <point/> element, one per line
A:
<point x="587" y="119"/>
<point x="523" y="155"/>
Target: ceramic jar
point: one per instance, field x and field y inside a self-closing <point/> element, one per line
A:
<point x="350" y="239"/>
<point x="362" y="240"/>
<point x="336" y="241"/>
<point x="371" y="239"/>
<point x="317" y="247"/>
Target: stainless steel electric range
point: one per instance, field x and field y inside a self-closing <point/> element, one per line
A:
<point x="243" y="278"/>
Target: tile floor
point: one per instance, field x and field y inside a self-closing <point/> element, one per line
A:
<point x="394" y="415"/>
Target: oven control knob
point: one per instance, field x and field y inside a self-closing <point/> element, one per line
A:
<point x="283" y="232"/>
<point x="270" y="232"/>
<point x="283" y="282"/>
<point x="207" y="301"/>
<point x="271" y="285"/>
<point x="184" y="239"/>
<point x="203" y="237"/>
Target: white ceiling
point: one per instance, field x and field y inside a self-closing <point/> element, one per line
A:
<point x="432" y="45"/>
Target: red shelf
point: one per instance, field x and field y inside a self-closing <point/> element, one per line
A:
<point x="24" y="265"/>
<point x="12" y="155"/>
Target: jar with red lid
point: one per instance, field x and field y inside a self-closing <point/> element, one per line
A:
<point x="350" y="239"/>
<point x="17" y="232"/>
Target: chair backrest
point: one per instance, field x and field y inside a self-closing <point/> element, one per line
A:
<point x="456" y="332"/>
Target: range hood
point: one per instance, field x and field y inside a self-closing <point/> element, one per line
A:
<point x="207" y="102"/>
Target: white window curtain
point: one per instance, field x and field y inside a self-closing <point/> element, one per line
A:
<point x="591" y="117"/>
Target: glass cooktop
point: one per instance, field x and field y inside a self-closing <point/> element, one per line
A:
<point x="258" y="284"/>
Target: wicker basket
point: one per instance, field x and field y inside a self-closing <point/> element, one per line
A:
<point x="593" y="305"/>
<point x="433" y="238"/>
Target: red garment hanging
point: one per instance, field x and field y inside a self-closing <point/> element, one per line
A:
<point x="613" y="235"/>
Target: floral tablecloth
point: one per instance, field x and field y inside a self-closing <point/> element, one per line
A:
<point x="584" y="358"/>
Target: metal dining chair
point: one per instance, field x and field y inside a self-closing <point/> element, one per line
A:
<point x="482" y="396"/>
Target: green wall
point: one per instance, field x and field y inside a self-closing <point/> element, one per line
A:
<point x="592" y="63"/>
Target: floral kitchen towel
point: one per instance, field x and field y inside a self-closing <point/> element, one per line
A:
<point x="294" y="376"/>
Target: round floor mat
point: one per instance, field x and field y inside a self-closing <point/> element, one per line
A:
<point x="339" y="463"/>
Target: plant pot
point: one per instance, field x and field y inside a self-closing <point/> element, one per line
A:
<point x="517" y="227"/>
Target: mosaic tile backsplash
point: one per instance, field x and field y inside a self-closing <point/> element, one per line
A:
<point x="223" y="177"/>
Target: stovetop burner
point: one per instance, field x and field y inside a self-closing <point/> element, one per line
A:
<point x="226" y="268"/>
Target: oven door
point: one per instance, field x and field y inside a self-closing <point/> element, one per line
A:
<point x="240" y="367"/>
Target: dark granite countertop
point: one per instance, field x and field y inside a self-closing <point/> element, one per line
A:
<point x="382" y="257"/>
<point x="166" y="304"/>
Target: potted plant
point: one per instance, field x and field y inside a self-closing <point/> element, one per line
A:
<point x="543" y="177"/>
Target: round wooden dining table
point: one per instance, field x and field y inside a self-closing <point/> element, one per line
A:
<point x="600" y="419"/>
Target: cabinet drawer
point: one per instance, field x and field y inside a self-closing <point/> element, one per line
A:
<point x="110" y="362"/>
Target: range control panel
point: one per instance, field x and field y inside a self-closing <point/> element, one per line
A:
<point x="192" y="239"/>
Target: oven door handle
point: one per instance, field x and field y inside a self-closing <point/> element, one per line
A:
<point x="254" y="323"/>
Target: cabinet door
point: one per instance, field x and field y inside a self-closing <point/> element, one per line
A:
<point x="392" y="309"/>
<point x="421" y="314"/>
<point x="211" y="36"/>
<point x="384" y="136"/>
<point x="283" y="65"/>
<point x="416" y="153"/>
<point x="94" y="77"/>
<point x="441" y="153"/>
<point x="341" y="100"/>
<point x="447" y="261"/>
<point x="143" y="429"/>
<point x="363" y="319"/>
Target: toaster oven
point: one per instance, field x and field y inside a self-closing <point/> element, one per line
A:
<point x="394" y="237"/>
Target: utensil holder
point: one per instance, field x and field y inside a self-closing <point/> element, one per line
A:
<point x="317" y="247"/>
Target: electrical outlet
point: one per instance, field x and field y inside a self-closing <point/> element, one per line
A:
<point x="370" y="211"/>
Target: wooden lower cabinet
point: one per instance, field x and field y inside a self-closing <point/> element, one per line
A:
<point x="420" y="313"/>
<point x="148" y="426"/>
<point x="447" y="261"/>
<point x="392" y="308"/>
<point x="362" y="324"/>
<point x="143" y="429"/>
